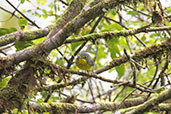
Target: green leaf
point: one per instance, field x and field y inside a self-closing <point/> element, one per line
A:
<point x="37" y="14"/>
<point x="160" y="90"/>
<point x="131" y="13"/>
<point x="4" y="31"/>
<point x="22" y="44"/>
<point x="114" y="53"/>
<point x="4" y="82"/>
<point x="113" y="47"/>
<point x="168" y="10"/>
<point x="120" y="70"/>
<point x="22" y="1"/>
<point x="56" y="97"/>
<point x="50" y="13"/>
<point x="59" y="7"/>
<point x="75" y="45"/>
<point x="60" y="61"/>
<point x="101" y="53"/>
<point x="143" y="38"/>
<point x="12" y="29"/>
<point x="22" y="22"/>
<point x="40" y="101"/>
<point x="44" y="11"/>
<point x="45" y="16"/>
<point x="114" y="12"/>
<point x="111" y="27"/>
<point x="41" y="2"/>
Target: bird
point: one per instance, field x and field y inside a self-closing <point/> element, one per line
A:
<point x="84" y="61"/>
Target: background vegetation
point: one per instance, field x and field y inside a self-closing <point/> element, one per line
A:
<point x="129" y="41"/>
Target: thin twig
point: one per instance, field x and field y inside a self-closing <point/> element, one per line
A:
<point x="62" y="55"/>
<point x="91" y="90"/>
<point x="121" y="91"/>
<point x="155" y="74"/>
<point x="139" y="11"/>
<point x="22" y="14"/>
<point x="79" y="49"/>
<point x="160" y="75"/>
<point x="127" y="29"/>
<point x="129" y="45"/>
<point x="63" y="2"/>
<point x="12" y="13"/>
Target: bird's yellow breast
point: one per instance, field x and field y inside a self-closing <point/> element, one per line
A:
<point x="82" y="64"/>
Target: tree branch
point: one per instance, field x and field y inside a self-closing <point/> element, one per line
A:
<point x="14" y="94"/>
<point x="111" y="106"/>
<point x="159" y="49"/>
<point x="108" y="35"/>
<point x="145" y="107"/>
<point x="58" y="38"/>
<point x="92" y="75"/>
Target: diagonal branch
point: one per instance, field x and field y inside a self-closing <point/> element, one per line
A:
<point x="145" y="107"/>
<point x="14" y="94"/>
<point x="159" y="49"/>
<point x="58" y="39"/>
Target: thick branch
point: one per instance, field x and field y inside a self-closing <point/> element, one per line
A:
<point x="163" y="107"/>
<point x="62" y="85"/>
<point x="39" y="33"/>
<point x="151" y="51"/>
<point x="44" y="107"/>
<point x="55" y="108"/>
<point x="72" y="11"/>
<point x="89" y="108"/>
<point x="57" y="39"/>
<point x="145" y="107"/>
<point x="14" y="94"/>
<point x="27" y="36"/>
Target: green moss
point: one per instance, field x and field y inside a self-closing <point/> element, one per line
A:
<point x="58" y="108"/>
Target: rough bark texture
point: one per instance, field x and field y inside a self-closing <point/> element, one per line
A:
<point x="14" y="94"/>
<point x="17" y="90"/>
<point x="20" y="86"/>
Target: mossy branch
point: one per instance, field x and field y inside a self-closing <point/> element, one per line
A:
<point x="146" y="106"/>
<point x="116" y="34"/>
<point x="151" y="51"/>
<point x="64" y="32"/>
<point x="54" y="108"/>
<point x="18" y="88"/>
<point x="63" y="108"/>
<point x="13" y="95"/>
<point x="88" y="75"/>
<point x="73" y="10"/>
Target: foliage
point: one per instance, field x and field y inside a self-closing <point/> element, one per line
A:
<point x="50" y="72"/>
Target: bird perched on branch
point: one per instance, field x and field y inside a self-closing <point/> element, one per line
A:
<point x="84" y="61"/>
